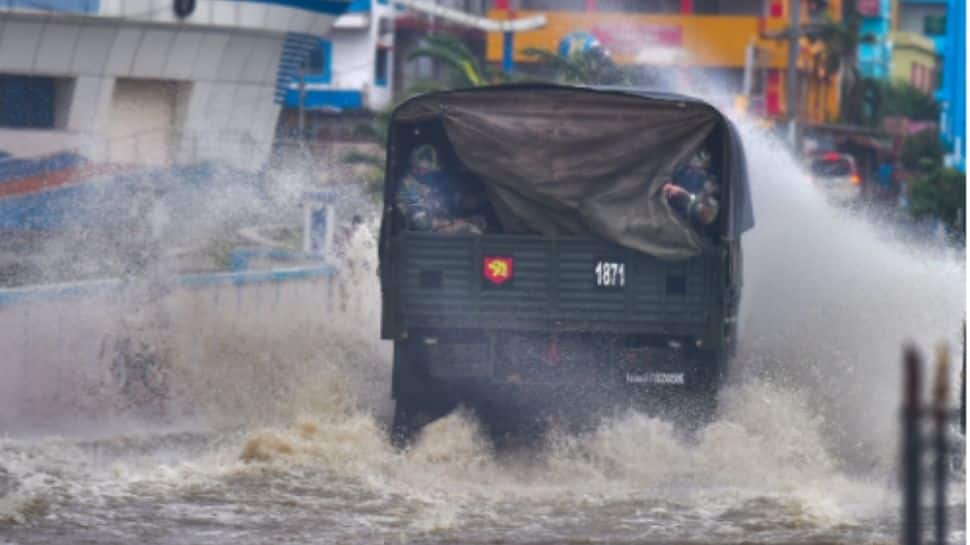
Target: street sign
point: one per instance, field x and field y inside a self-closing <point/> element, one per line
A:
<point x="868" y="8"/>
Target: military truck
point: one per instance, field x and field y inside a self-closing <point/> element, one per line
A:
<point x="586" y="288"/>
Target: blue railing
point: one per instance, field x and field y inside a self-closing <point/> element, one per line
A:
<point x="63" y="6"/>
<point x="16" y="168"/>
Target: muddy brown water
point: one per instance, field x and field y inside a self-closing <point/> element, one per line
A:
<point x="287" y="442"/>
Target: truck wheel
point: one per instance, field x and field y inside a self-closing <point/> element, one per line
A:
<point x="409" y="418"/>
<point x="700" y="409"/>
<point x="700" y="403"/>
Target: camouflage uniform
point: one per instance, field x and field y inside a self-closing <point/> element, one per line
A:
<point x="429" y="202"/>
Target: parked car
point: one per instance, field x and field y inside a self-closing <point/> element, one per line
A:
<point x="837" y="176"/>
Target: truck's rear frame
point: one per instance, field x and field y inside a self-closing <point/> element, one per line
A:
<point x="584" y="278"/>
<point x="548" y="336"/>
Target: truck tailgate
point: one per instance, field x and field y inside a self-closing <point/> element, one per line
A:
<point x="440" y="281"/>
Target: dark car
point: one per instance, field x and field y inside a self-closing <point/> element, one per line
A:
<point x="580" y="287"/>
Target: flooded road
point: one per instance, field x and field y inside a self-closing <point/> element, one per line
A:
<point x="289" y="443"/>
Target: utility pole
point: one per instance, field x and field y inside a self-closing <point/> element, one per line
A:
<point x="794" y="36"/>
<point x="507" y="27"/>
<point x="301" y="119"/>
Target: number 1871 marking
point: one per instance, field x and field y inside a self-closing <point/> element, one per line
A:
<point x="610" y="274"/>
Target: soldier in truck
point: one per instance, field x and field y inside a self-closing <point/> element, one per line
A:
<point x="693" y="191"/>
<point x="431" y="200"/>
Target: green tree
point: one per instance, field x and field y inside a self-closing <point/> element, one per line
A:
<point x="463" y="66"/>
<point x="884" y="99"/>
<point x="373" y="133"/>
<point x="464" y="70"/>
<point x="922" y="151"/>
<point x="906" y="100"/>
<point x="940" y="192"/>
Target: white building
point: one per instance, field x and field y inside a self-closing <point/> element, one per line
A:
<point x="126" y="81"/>
<point x="351" y="68"/>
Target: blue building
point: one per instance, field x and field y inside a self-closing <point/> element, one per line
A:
<point x="348" y="70"/>
<point x="944" y="22"/>
<point x="875" y="54"/>
<point x="953" y="88"/>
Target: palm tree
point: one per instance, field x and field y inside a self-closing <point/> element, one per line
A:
<point x="465" y="70"/>
<point x="373" y="133"/>
<point x="590" y="67"/>
<point x="904" y="99"/>
<point x="464" y="67"/>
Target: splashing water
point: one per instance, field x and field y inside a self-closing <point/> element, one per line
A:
<point x="829" y="300"/>
<point x="284" y="433"/>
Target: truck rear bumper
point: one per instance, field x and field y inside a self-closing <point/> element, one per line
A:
<point x="527" y="366"/>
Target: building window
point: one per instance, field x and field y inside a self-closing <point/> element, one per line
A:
<point x="922" y="77"/>
<point x="27" y="102"/>
<point x="934" y="25"/>
<point x="728" y="7"/>
<point x="380" y="67"/>
<point x="314" y="62"/>
<point x="639" y="6"/>
<point x="554" y="5"/>
<point x="318" y="62"/>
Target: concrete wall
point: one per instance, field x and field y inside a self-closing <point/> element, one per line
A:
<point x="225" y="58"/>
<point x="31" y="142"/>
<point x="260" y="15"/>
<point x="911" y="15"/>
<point x="61" y="342"/>
<point x="914" y="61"/>
<point x="229" y="77"/>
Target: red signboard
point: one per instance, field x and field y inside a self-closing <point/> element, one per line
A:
<point x="776" y="9"/>
<point x="497" y="270"/>
<point x="868" y="8"/>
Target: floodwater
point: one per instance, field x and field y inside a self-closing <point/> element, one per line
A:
<point x="803" y="450"/>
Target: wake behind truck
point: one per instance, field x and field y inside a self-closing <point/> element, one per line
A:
<point x="577" y="285"/>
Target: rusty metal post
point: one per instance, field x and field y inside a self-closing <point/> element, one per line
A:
<point x="940" y="397"/>
<point x="963" y="385"/>
<point x="912" y="447"/>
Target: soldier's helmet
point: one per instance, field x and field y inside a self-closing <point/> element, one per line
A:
<point x="424" y="158"/>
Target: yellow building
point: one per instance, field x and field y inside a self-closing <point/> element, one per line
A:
<point x="914" y="61"/>
<point x="696" y="46"/>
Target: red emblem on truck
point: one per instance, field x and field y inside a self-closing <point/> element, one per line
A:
<point x="498" y="270"/>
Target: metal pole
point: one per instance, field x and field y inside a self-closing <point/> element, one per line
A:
<point x="747" y="80"/>
<point x="912" y="448"/>
<point x="508" y="52"/>
<point x="940" y="395"/>
<point x="794" y="35"/>
<point x="301" y="122"/>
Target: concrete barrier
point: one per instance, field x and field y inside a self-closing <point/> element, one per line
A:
<point x="63" y="347"/>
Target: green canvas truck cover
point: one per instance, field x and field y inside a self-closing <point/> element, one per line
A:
<point x="564" y="161"/>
